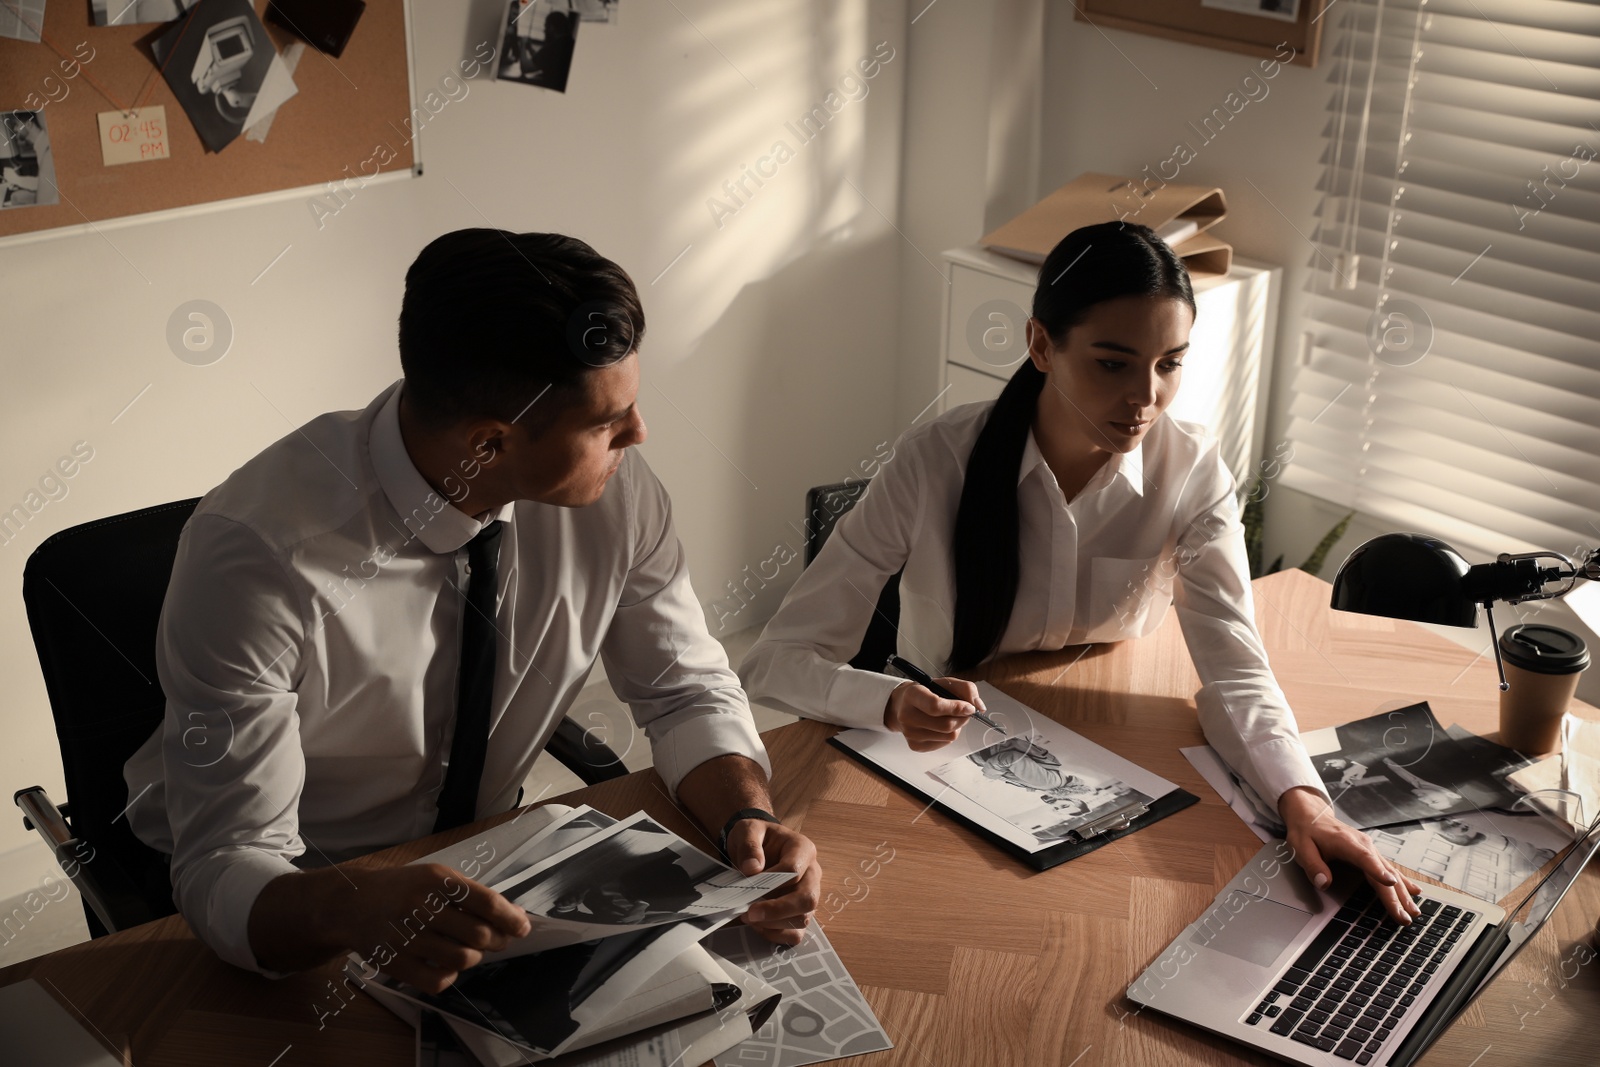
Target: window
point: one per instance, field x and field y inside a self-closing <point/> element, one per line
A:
<point x="1450" y="379"/>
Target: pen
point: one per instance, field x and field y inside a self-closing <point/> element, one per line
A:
<point x="918" y="675"/>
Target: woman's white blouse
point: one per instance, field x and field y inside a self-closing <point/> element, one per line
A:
<point x="1155" y="526"/>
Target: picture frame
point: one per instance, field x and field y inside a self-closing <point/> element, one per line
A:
<point x="1246" y="26"/>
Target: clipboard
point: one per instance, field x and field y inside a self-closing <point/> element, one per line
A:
<point x="1055" y="855"/>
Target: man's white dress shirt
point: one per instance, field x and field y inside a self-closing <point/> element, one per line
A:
<point x="1154" y="526"/>
<point x="310" y="643"/>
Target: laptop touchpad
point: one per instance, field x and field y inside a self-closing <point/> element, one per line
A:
<point x="1257" y="932"/>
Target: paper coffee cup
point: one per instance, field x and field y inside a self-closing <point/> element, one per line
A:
<point x="1543" y="664"/>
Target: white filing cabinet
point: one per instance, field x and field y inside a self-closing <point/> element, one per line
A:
<point x="1225" y="372"/>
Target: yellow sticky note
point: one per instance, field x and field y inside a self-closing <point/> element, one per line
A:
<point x="133" y="136"/>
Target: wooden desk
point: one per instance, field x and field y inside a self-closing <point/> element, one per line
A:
<point x="968" y="957"/>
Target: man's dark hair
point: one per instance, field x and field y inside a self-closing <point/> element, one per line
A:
<point x="493" y="320"/>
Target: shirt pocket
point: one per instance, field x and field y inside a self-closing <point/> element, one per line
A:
<point x="1127" y="597"/>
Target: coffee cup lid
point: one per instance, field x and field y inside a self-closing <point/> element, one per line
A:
<point x="1544" y="649"/>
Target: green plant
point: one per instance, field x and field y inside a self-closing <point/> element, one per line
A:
<point x="1253" y="517"/>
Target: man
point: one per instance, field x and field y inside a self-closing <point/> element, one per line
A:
<point x="336" y="682"/>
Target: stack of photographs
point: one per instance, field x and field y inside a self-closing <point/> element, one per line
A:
<point x="1402" y="765"/>
<point x="617" y="913"/>
<point x="1438" y="801"/>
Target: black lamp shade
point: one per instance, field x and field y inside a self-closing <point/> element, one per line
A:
<point x="1406" y="576"/>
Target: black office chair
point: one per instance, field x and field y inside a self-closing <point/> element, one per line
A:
<point x="93" y="595"/>
<point x="825" y="505"/>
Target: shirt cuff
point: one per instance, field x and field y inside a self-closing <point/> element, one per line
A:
<point x="225" y="910"/>
<point x="856" y="698"/>
<point x="1282" y="765"/>
<point x="705" y="735"/>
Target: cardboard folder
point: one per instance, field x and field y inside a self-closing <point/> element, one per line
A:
<point x="1183" y="211"/>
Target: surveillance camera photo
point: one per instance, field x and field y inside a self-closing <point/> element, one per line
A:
<point x="223" y="69"/>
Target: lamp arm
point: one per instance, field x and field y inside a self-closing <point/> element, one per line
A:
<point x="1515" y="578"/>
<point x="1590" y="568"/>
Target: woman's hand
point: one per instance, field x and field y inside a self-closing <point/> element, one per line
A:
<point x="1317" y="835"/>
<point x="929" y="721"/>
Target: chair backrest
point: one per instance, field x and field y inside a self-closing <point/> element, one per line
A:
<point x="825" y="505"/>
<point x="93" y="595"/>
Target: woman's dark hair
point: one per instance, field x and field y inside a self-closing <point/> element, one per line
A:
<point x="491" y="319"/>
<point x="1089" y="266"/>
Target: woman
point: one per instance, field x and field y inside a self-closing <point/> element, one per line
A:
<point x="1068" y="511"/>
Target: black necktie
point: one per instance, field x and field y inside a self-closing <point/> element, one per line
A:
<point x="458" y="800"/>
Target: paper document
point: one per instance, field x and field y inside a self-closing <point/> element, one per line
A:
<point x="822" y="1015"/>
<point x="1034" y="785"/>
<point x="1542" y="781"/>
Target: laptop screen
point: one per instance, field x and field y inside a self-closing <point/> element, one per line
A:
<point x="1542" y="901"/>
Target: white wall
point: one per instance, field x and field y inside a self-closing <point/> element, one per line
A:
<point x="778" y="322"/>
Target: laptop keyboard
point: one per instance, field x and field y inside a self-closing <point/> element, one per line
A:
<point x="1353" y="985"/>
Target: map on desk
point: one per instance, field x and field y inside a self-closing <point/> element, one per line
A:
<point x="822" y="1016"/>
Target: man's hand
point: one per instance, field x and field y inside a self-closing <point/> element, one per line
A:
<point x="755" y="845"/>
<point x="423" y="924"/>
<point x="724" y="785"/>
<point x="929" y="721"/>
<point x="1317" y="835"/>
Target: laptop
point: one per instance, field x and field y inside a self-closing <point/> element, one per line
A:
<point x="1325" y="977"/>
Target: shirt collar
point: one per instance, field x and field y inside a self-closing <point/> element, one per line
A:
<point x="1129" y="466"/>
<point x="427" y="515"/>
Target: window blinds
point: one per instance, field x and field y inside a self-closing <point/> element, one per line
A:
<point x="1449" y="381"/>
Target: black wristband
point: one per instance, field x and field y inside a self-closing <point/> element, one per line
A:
<point x="737" y="817"/>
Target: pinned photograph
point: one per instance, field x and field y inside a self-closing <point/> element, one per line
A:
<point x="27" y="167"/>
<point x="595" y="10"/>
<point x="539" y="39"/>
<point x="21" y="20"/>
<point x="1284" y="10"/>
<point x="223" y="69"/>
<point x="1024" y="782"/>
<point x="129" y="12"/>
<point x="1402" y="766"/>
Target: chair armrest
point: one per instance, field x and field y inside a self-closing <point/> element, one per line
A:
<point x="584" y="754"/>
<point x="107" y="888"/>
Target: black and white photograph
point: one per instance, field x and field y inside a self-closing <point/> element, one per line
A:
<point x="223" y="69"/>
<point x="1022" y="780"/>
<point x="1285" y="10"/>
<point x="1486" y="853"/>
<point x="633" y="875"/>
<point x="571" y="828"/>
<point x="539" y="39"/>
<point x="1402" y="766"/>
<point x="537" y="1001"/>
<point x="1488" y="856"/>
<point x="640" y="876"/>
<point x="27" y="166"/>
<point x="129" y="12"/>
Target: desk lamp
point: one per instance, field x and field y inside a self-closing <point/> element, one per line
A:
<point x="1422" y="579"/>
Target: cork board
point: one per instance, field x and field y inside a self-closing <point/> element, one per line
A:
<point x="1188" y="21"/>
<point x="351" y="119"/>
